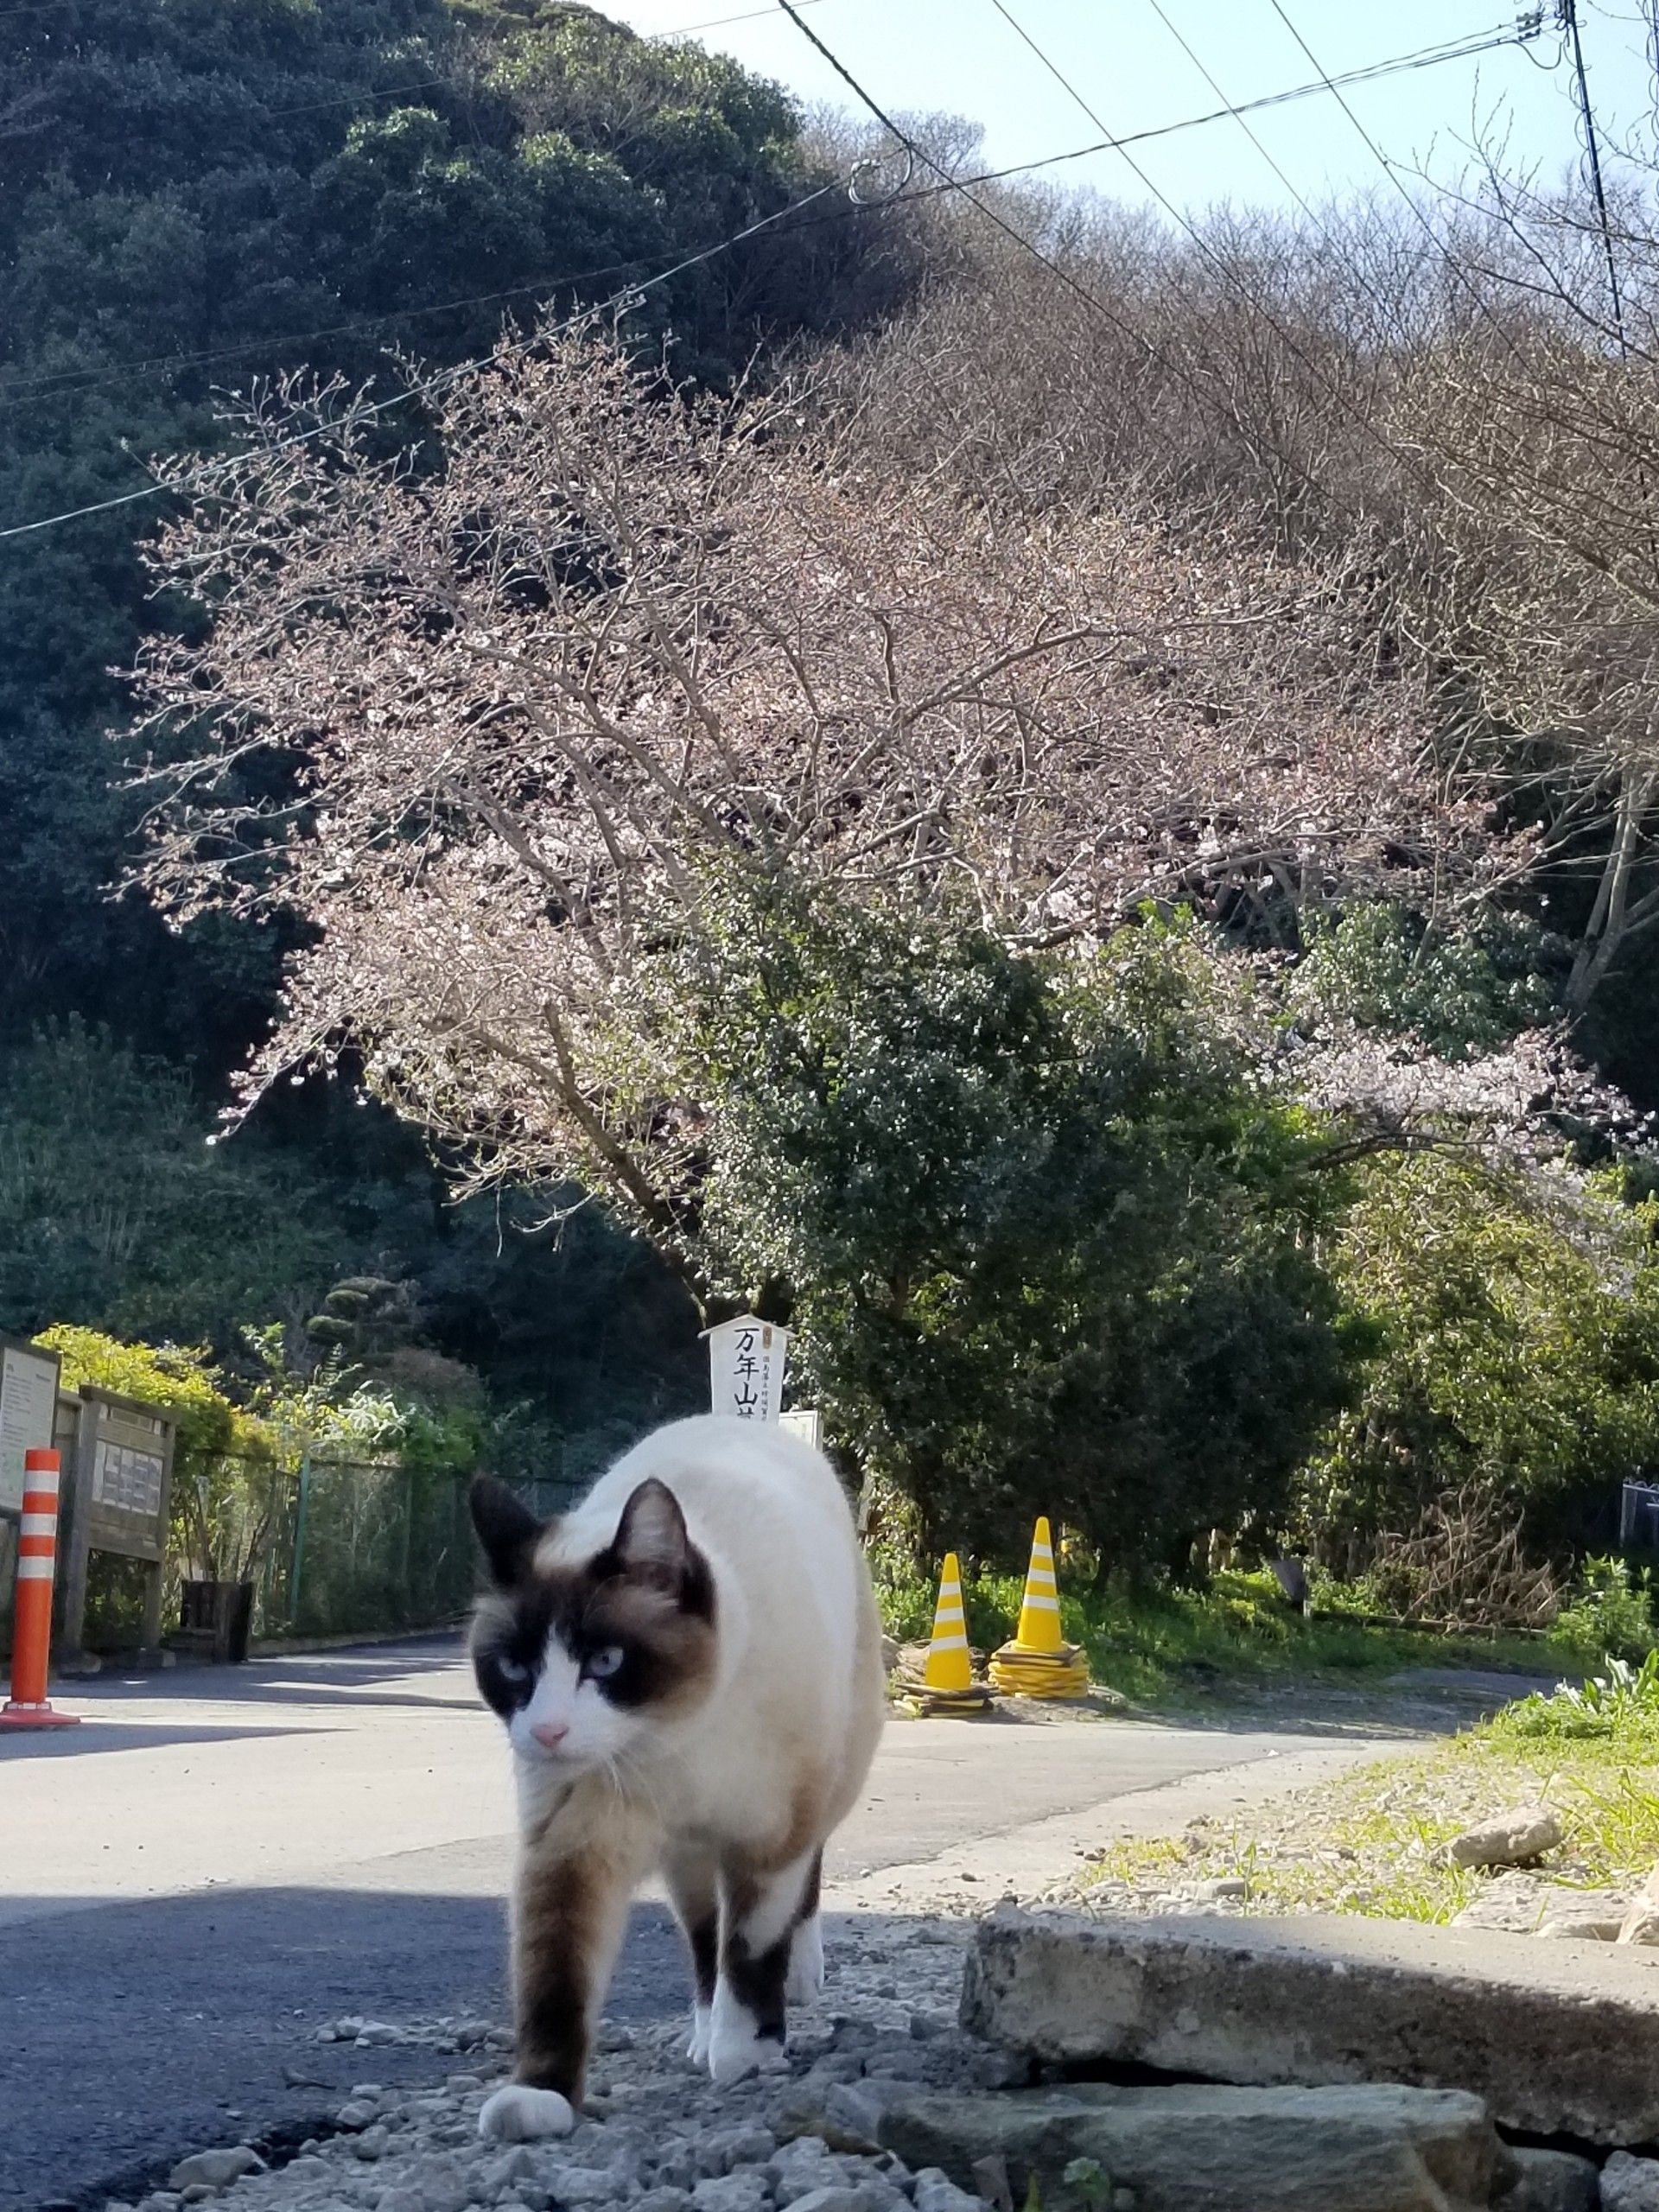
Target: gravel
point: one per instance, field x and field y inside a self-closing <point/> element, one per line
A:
<point x="655" y="2135"/>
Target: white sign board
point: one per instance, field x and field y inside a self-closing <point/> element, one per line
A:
<point x="807" y="1423"/>
<point x="128" y="1481"/>
<point x="28" y="1403"/>
<point x="746" y="1367"/>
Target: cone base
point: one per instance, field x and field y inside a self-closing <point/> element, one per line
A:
<point x="13" y="1716"/>
<point x="941" y="1704"/>
<point x="1018" y="1670"/>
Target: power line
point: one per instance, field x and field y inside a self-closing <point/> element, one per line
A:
<point x="66" y="381"/>
<point x="1200" y="64"/>
<point x="1251" y="298"/>
<point x="69" y="381"/>
<point x="954" y="184"/>
<point x="195" y="478"/>
<point x="1535" y="22"/>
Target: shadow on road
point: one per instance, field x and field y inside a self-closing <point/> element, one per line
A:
<point x="99" y="1734"/>
<point x="132" y="2034"/>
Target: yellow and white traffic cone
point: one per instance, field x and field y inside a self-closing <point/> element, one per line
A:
<point x="947" y="1685"/>
<point x="1039" y="1663"/>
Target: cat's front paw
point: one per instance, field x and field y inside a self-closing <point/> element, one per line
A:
<point x="521" y="2114"/>
<point x="736" y="2049"/>
<point x="701" y="2027"/>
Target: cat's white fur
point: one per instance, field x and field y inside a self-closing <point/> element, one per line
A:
<point x="775" y="1757"/>
<point x="798" y="1679"/>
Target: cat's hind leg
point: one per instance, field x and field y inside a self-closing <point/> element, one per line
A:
<point x="761" y="1910"/>
<point x="692" y="1877"/>
<point x="804" y="1981"/>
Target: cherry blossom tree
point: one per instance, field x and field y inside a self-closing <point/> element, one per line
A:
<point x="492" y="712"/>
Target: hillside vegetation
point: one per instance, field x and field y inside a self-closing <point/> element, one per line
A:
<point x="1091" y="847"/>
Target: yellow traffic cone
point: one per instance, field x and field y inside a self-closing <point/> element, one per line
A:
<point x="949" y="1667"/>
<point x="1040" y="1611"/>
<point x="947" y="1685"/>
<point x="1039" y="1663"/>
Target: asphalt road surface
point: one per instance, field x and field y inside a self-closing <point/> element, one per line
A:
<point x="219" y="1860"/>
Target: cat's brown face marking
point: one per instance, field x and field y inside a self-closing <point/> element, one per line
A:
<point x="593" y="1649"/>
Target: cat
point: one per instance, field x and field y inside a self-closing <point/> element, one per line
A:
<point x="689" y="1666"/>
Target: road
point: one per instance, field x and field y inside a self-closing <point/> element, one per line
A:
<point x="220" y="1860"/>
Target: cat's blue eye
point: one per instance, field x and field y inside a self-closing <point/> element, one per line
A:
<point x="601" y="1665"/>
<point x="513" y="1671"/>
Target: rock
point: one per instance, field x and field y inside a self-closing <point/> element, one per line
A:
<point x="1511" y="1838"/>
<point x="518" y="2165"/>
<point x="587" y="2186"/>
<point x="1629" y="2185"/>
<point x="354" y="2115"/>
<point x="744" y="2191"/>
<point x="664" y="2200"/>
<point x="677" y="2170"/>
<point x="802" y="2167"/>
<point x="936" y="2192"/>
<point x="876" y="2193"/>
<point x="1559" y="2038"/>
<point x="726" y="2148"/>
<point x="371" y="2143"/>
<point x="217" y="2168"/>
<point x="375" y="2032"/>
<point x="198" y="2193"/>
<point x="441" y="2189"/>
<point x="1224" y="1890"/>
<point x="1549" y="2181"/>
<point x="836" y="2197"/>
<point x="991" y="2181"/>
<point x="460" y="2085"/>
<point x="1191" y="2147"/>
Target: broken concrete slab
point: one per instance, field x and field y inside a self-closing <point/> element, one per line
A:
<point x="1559" y="2038"/>
<point x="1195" y="2148"/>
<point x="1550" y="2181"/>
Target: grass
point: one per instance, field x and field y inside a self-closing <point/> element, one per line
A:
<point x="1160" y="1645"/>
<point x="1375" y="1842"/>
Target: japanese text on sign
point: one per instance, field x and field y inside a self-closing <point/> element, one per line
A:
<point x="746" y="1368"/>
<point x="28" y="1398"/>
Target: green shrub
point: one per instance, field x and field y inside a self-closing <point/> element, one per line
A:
<point x="1623" y="1702"/>
<point x="1504" y="1340"/>
<point x="1045" y="1246"/>
<point x="1611" y="1614"/>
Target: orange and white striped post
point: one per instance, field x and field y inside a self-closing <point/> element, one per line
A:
<point x="31" y="1633"/>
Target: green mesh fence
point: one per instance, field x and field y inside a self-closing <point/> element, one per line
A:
<point x="339" y="1547"/>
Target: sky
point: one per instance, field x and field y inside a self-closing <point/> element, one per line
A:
<point x="964" y="58"/>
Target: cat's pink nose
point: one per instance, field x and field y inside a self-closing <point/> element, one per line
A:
<point x="551" y="1734"/>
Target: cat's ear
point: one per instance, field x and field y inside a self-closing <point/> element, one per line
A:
<point x="652" y="1544"/>
<point x="507" y="1529"/>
